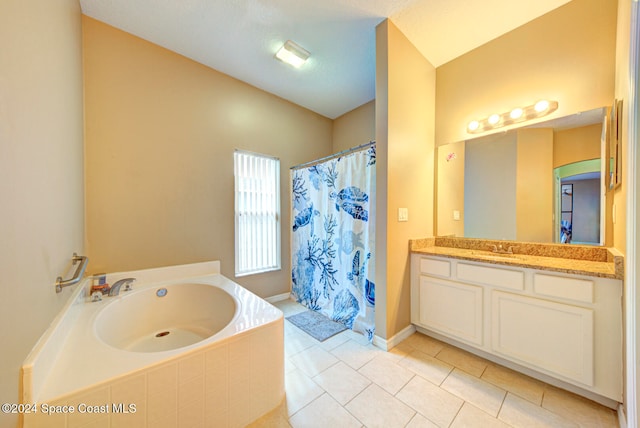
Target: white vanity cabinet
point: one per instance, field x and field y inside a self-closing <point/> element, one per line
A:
<point x="549" y="324"/>
<point x="452" y="308"/>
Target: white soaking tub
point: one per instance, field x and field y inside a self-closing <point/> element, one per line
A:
<point x="185" y="346"/>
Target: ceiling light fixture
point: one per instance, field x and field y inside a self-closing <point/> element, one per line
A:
<point x="293" y="54"/>
<point x="519" y="114"/>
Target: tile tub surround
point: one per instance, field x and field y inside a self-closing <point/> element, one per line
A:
<point x="228" y="379"/>
<point x="573" y="259"/>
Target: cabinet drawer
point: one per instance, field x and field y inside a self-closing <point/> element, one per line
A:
<point x="435" y="267"/>
<point x="498" y="277"/>
<point x="566" y="288"/>
<point x="551" y="336"/>
<point x="452" y="308"/>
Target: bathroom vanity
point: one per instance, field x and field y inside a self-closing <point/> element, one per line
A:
<point x="555" y="318"/>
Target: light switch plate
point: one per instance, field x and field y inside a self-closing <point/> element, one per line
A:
<point x="456" y="215"/>
<point x="403" y="214"/>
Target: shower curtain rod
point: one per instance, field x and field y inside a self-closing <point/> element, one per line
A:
<point x="335" y="155"/>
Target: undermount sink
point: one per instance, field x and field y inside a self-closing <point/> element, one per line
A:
<point x="495" y="256"/>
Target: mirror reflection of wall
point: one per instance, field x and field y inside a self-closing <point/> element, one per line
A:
<point x="490" y="187"/>
<point x="508" y="185"/>
<point x="579" y="201"/>
<point x="566" y="212"/>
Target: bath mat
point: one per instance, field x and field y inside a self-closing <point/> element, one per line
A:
<point x="316" y="325"/>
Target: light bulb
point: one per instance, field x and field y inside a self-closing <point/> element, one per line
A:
<point x="493" y="119"/>
<point x="541" y="106"/>
<point x="473" y="125"/>
<point x="516" y="113"/>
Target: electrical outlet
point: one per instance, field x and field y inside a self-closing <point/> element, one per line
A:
<point x="403" y="214"/>
<point x="456" y="215"/>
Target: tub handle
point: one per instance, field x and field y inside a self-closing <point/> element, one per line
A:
<point x="84" y="260"/>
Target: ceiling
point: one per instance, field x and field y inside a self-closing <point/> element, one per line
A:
<point x="240" y="37"/>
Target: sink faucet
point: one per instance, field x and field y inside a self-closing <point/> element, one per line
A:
<point x="501" y="250"/>
<point x="115" y="288"/>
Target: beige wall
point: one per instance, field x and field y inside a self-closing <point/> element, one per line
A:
<point x="41" y="172"/>
<point x="382" y="181"/>
<point x="622" y="90"/>
<point x="566" y="55"/>
<point x="160" y="135"/>
<point x="405" y="93"/>
<point x="534" y="185"/>
<point x="619" y="199"/>
<point x="355" y="127"/>
<point x="576" y="144"/>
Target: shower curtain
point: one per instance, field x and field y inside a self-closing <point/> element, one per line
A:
<point x="333" y="238"/>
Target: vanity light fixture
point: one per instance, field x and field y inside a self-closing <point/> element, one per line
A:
<point x="519" y="114"/>
<point x="293" y="54"/>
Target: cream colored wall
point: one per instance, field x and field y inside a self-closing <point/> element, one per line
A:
<point x="622" y="90"/>
<point x="576" y="144"/>
<point x="566" y="55"/>
<point x="450" y="190"/>
<point x="382" y="181"/>
<point x="160" y="135"/>
<point x="355" y="127"/>
<point x="41" y="172"/>
<point x="405" y="93"/>
<point x="534" y="185"/>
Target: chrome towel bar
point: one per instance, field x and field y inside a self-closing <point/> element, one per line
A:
<point x="60" y="283"/>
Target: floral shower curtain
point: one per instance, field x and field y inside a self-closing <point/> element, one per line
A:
<point x="333" y="239"/>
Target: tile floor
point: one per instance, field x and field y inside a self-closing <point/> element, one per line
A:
<point x="422" y="382"/>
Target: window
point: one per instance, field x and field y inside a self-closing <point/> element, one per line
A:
<point x="257" y="212"/>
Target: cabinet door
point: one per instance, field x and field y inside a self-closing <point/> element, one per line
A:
<point x="451" y="308"/>
<point x="546" y="335"/>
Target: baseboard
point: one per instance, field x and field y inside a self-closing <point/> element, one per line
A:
<point x="387" y="344"/>
<point x="622" y="418"/>
<point x="278" y="297"/>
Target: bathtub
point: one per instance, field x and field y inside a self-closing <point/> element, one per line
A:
<point x="186" y="346"/>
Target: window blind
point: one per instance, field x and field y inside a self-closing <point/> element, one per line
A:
<point x="257" y="213"/>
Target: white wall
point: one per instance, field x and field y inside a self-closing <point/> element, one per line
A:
<point x="41" y="172"/>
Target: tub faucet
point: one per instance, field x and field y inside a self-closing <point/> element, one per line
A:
<point x="115" y="288"/>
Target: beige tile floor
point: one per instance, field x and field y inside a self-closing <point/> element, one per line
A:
<point x="422" y="382"/>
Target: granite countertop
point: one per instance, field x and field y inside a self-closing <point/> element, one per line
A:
<point x="572" y="259"/>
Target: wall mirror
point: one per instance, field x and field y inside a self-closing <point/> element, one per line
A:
<point x="540" y="183"/>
